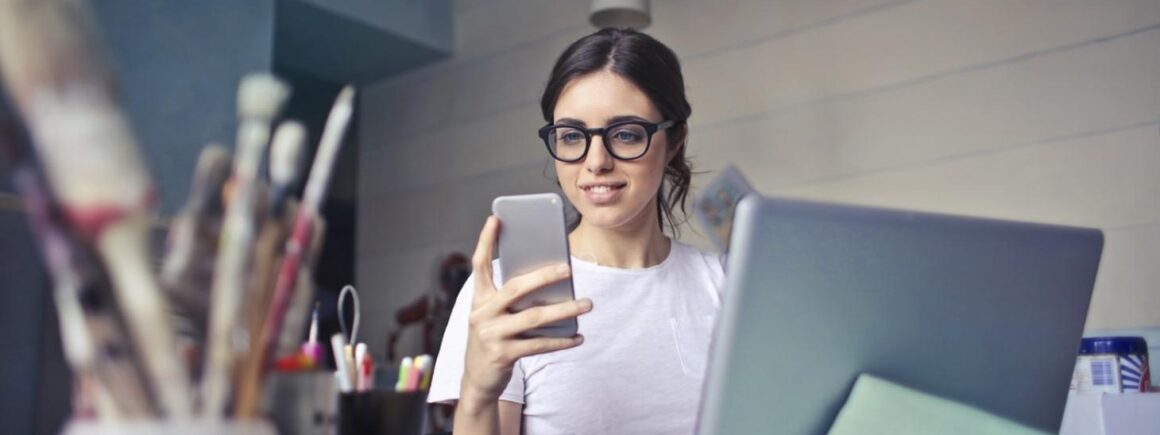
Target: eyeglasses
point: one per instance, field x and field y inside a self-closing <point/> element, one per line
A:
<point x="625" y="140"/>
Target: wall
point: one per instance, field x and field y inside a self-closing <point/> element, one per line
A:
<point x="1039" y="110"/>
<point x="179" y="64"/>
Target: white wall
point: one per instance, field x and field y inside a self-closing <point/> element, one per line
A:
<point x="1044" y="110"/>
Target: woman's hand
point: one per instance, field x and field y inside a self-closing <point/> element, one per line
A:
<point x="492" y="343"/>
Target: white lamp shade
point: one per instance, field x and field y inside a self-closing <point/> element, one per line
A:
<point x="620" y="13"/>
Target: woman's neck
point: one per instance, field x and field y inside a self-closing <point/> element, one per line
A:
<point x="635" y="247"/>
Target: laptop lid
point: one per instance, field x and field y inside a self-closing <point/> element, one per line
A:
<point x="985" y="312"/>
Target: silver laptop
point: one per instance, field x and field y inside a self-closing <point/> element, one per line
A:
<point x="984" y="312"/>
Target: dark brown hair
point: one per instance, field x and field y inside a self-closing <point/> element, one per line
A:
<point x="653" y="68"/>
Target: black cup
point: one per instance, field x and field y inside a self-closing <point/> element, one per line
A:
<point x="382" y="412"/>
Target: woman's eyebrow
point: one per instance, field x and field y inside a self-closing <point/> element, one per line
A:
<point x="612" y="120"/>
<point x="622" y="118"/>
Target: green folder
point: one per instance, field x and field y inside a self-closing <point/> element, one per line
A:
<point x="876" y="406"/>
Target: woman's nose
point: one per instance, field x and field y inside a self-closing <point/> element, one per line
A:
<point x="598" y="160"/>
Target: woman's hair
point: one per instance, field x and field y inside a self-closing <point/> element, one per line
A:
<point x="654" y="69"/>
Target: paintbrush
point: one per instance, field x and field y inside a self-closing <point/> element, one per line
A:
<point x="300" y="241"/>
<point x="260" y="97"/>
<point x="298" y="311"/>
<point x="187" y="271"/>
<point x="92" y="336"/>
<point x="65" y="94"/>
<point x="285" y="153"/>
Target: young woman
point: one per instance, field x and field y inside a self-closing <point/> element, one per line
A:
<point x="616" y="111"/>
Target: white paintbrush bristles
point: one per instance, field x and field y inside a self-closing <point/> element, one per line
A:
<point x="285" y="152"/>
<point x="260" y="96"/>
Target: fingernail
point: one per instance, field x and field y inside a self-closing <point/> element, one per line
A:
<point x="579" y="339"/>
<point x="586" y="304"/>
<point x="563" y="268"/>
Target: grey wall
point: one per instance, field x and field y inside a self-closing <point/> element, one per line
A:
<point x="1041" y="110"/>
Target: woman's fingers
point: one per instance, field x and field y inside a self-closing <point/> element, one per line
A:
<point x="481" y="259"/>
<point x="536" y="346"/>
<point x="520" y="286"/>
<point x="493" y="328"/>
<point x="535" y="317"/>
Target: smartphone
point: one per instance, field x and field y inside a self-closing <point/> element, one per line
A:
<point x="532" y="236"/>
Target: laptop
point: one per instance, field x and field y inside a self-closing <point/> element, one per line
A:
<point x="985" y="312"/>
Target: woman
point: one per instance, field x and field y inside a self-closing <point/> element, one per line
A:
<point x="617" y="112"/>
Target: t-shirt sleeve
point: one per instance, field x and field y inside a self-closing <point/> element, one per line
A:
<point x="445" y="381"/>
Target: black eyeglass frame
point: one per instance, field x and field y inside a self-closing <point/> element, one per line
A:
<point x="649" y="128"/>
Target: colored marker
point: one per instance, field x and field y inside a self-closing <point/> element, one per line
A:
<point x="360" y="353"/>
<point x="368" y="372"/>
<point x="425" y="382"/>
<point x="404" y="373"/>
<point x="415" y="374"/>
<point x="338" y="346"/>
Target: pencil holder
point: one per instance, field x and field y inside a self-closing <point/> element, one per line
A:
<point x="169" y="427"/>
<point x="382" y="412"/>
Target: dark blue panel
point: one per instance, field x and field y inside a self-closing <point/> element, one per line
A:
<point x="337" y="48"/>
<point x="429" y="22"/>
<point x="23" y="288"/>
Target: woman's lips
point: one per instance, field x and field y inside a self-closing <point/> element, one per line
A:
<point x="603" y="194"/>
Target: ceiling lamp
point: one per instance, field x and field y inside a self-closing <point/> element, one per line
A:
<point x="620" y="13"/>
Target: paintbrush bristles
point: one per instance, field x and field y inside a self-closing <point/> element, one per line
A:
<point x="59" y="82"/>
<point x="260" y="96"/>
<point x="285" y="152"/>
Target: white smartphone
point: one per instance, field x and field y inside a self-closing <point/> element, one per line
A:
<point x="532" y="236"/>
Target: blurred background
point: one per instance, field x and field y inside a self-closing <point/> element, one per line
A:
<point x="1041" y="110"/>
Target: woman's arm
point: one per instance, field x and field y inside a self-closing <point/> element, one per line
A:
<point x="488" y="417"/>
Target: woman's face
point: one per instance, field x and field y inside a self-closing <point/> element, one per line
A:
<point x="611" y="193"/>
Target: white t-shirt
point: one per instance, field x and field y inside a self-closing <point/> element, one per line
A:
<point x="640" y="368"/>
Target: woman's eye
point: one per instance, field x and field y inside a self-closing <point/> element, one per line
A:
<point x="571" y="137"/>
<point x="627" y="137"/>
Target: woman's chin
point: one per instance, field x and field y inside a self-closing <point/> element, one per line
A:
<point x="606" y="218"/>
